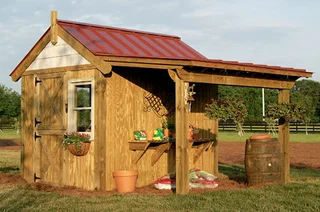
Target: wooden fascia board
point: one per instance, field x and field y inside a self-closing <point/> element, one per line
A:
<point x="172" y="62"/>
<point x="251" y="68"/>
<point x="233" y="80"/>
<point x="144" y="65"/>
<point x="30" y="57"/>
<point x="97" y="61"/>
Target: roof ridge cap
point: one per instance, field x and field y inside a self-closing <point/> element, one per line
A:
<point x="117" y="28"/>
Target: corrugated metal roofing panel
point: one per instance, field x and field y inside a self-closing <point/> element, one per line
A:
<point x="103" y="40"/>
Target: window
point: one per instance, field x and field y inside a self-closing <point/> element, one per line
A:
<point x="80" y="106"/>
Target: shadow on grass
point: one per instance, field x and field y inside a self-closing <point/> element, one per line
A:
<point x="236" y="173"/>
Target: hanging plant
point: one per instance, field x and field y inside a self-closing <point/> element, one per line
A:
<point x="229" y="108"/>
<point x="288" y="112"/>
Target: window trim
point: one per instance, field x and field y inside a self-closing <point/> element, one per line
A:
<point x="72" y="125"/>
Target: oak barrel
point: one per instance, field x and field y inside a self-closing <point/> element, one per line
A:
<point x="263" y="161"/>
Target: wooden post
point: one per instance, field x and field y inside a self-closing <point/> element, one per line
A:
<point x="284" y="137"/>
<point x="182" y="154"/>
<point x="215" y="149"/>
<point x="54" y="28"/>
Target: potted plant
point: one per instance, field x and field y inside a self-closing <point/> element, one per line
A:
<point x="165" y="126"/>
<point x="77" y="143"/>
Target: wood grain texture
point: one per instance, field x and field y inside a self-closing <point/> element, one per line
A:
<point x="207" y="128"/>
<point x="284" y="137"/>
<point x="100" y="118"/>
<point x="182" y="149"/>
<point x="27" y="131"/>
<point x="234" y="80"/>
<point x="125" y="113"/>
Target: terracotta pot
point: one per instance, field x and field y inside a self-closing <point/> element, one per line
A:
<point x="125" y="180"/>
<point x="83" y="151"/>
<point x="166" y="133"/>
<point x="149" y="135"/>
<point x="190" y="135"/>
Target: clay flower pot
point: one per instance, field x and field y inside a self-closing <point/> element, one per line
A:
<point x="166" y="133"/>
<point x="85" y="146"/>
<point x="125" y="180"/>
<point x="149" y="135"/>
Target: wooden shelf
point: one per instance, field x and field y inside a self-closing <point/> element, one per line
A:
<point x="160" y="146"/>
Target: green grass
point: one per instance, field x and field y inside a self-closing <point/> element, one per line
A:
<point x="9" y="161"/>
<point x="9" y="134"/>
<point x="301" y="195"/>
<point x="292" y="197"/>
<point x="294" y="137"/>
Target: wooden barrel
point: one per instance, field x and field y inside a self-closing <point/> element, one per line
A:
<point x="263" y="162"/>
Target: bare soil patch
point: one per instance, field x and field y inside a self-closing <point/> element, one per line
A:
<point x="302" y="155"/>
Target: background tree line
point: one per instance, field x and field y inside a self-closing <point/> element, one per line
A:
<point x="305" y="93"/>
<point x="10" y="104"/>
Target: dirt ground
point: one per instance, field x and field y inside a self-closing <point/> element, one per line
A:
<point x="302" y="155"/>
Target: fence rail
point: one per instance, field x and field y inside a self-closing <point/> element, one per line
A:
<point x="261" y="126"/>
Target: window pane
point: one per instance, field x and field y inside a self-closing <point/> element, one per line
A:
<point x="83" y="121"/>
<point x="83" y="96"/>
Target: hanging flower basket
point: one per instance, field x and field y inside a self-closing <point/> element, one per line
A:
<point x="84" y="149"/>
<point x="77" y="143"/>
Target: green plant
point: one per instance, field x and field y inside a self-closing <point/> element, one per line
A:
<point x="75" y="138"/>
<point x="287" y="111"/>
<point x="165" y="124"/>
<point x="229" y="108"/>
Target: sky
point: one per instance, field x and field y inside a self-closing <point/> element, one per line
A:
<point x="272" y="32"/>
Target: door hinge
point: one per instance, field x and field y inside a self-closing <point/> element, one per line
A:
<point x="36" y="122"/>
<point x="36" y="81"/>
<point x="36" y="136"/>
<point x="35" y="178"/>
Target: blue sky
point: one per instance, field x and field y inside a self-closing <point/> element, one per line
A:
<point x="272" y="32"/>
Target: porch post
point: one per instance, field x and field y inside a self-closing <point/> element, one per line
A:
<point x="284" y="137"/>
<point x="182" y="154"/>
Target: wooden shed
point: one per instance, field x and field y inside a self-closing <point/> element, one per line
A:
<point x="131" y="79"/>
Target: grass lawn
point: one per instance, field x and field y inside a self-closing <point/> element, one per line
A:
<point x="294" y="137"/>
<point x="301" y="195"/>
<point x="9" y="134"/>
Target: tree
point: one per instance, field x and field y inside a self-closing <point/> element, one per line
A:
<point x="306" y="93"/>
<point x="10" y="103"/>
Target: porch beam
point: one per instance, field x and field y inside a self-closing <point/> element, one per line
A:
<point x="284" y="137"/>
<point x="233" y="80"/>
<point x="182" y="155"/>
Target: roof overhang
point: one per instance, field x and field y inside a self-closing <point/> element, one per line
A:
<point x="219" y="72"/>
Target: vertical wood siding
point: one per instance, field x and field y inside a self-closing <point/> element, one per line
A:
<point x="27" y="131"/>
<point x="204" y="92"/>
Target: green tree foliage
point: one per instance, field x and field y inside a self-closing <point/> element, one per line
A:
<point x="10" y="103"/>
<point x="305" y="93"/>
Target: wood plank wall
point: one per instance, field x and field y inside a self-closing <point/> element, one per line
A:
<point x="125" y="113"/>
<point x="79" y="171"/>
<point x="204" y="92"/>
<point x="119" y="110"/>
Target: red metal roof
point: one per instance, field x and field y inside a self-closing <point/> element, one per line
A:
<point x="255" y="65"/>
<point x="104" y="40"/>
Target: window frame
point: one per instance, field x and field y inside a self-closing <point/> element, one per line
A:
<point x="72" y="110"/>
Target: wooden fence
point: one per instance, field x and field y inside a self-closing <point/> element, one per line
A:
<point x="261" y="126"/>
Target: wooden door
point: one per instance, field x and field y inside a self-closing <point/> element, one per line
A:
<point x="50" y="125"/>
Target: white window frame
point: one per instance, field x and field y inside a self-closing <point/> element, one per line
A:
<point x="72" y="111"/>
